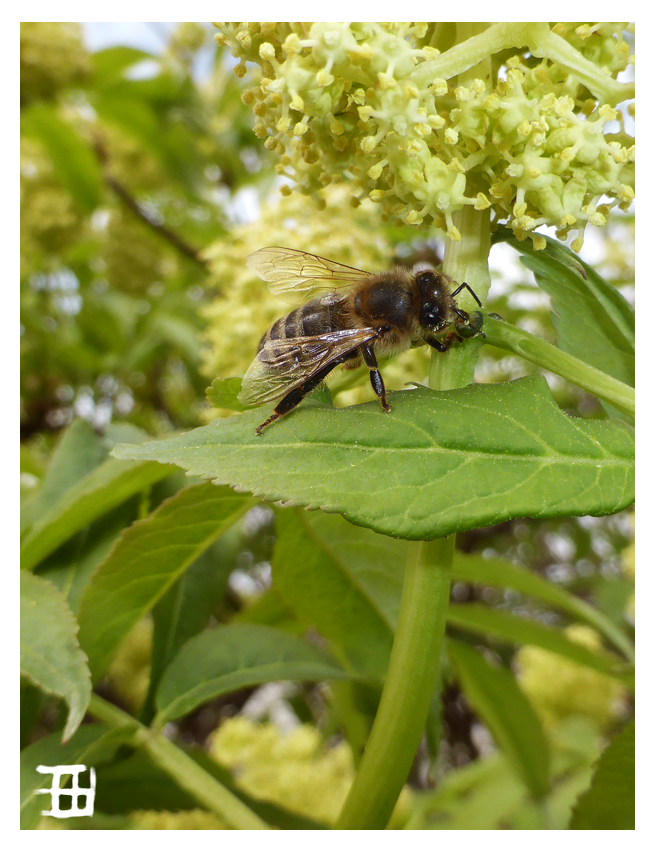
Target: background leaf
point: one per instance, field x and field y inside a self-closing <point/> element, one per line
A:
<point x="593" y="320"/>
<point x="494" y="694"/>
<point x="103" y="488"/>
<point x="315" y="572"/>
<point x="609" y="802"/>
<point x="501" y="625"/>
<point x="221" y="660"/>
<point x="146" y="560"/>
<point x="91" y="744"/>
<point x="499" y="572"/>
<point x="74" y="161"/>
<point x="459" y="459"/>
<point x="188" y="605"/>
<point x="49" y="651"/>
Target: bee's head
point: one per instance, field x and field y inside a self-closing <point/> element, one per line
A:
<point x="435" y="300"/>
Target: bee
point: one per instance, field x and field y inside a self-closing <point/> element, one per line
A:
<point x="351" y="318"/>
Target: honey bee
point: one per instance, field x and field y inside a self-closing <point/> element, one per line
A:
<point x="352" y="317"/>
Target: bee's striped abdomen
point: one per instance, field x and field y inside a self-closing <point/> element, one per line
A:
<point x="317" y="317"/>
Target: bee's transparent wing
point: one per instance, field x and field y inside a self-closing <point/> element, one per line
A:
<point x="295" y="276"/>
<point x="283" y="364"/>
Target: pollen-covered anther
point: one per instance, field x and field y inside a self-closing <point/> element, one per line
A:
<point x="439" y="87"/>
<point x="413" y="217"/>
<point x="386" y="81"/>
<point x="266" y="51"/>
<point x="324" y="78"/>
<point x="368" y="144"/>
<point x="568" y="220"/>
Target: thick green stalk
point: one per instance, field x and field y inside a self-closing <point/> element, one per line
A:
<point x="411" y="677"/>
<point x="185" y="772"/>
<point x="541" y="353"/>
<point x="416" y="653"/>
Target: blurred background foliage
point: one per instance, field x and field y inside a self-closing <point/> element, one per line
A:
<point x="143" y="190"/>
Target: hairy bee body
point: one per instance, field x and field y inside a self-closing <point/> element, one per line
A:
<point x="360" y="316"/>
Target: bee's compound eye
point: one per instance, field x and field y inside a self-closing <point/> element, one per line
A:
<point x="431" y="314"/>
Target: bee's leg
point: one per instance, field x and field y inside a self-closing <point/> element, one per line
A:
<point x="290" y="401"/>
<point x="375" y="377"/>
<point x="467" y="287"/>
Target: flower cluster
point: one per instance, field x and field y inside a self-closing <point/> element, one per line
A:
<point x="372" y="103"/>
<point x="52" y="57"/>
<point x="559" y="688"/>
<point x="294" y="770"/>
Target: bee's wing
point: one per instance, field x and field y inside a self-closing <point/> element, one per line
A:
<point x="295" y="275"/>
<point x="283" y="364"/>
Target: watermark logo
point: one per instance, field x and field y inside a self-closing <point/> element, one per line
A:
<point x="74" y="792"/>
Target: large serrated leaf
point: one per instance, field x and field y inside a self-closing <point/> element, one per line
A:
<point x="218" y="661"/>
<point x="440" y="462"/>
<point x="146" y="560"/>
<point x="49" y="650"/>
<point x="494" y="694"/>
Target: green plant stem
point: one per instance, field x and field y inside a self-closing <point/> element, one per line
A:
<point x="541" y="353"/>
<point x="411" y="677"/>
<point x="415" y="660"/>
<point x="185" y="772"/>
<point x="471" y="50"/>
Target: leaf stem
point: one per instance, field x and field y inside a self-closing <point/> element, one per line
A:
<point x="541" y="353"/>
<point x="411" y="677"/>
<point x="185" y="772"/>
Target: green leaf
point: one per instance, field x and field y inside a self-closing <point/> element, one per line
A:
<point x="609" y="802"/>
<point x="593" y="320"/>
<point x="102" y="489"/>
<point x="510" y="628"/>
<point x="496" y="572"/>
<point x="188" y="605"/>
<point x="147" y="559"/>
<point x="70" y="568"/>
<point x="50" y="656"/>
<point x="109" y="64"/>
<point x="223" y="392"/>
<point x="494" y="694"/>
<point x="221" y="660"/>
<point x="75" y="163"/>
<point x="79" y="450"/>
<point x="319" y="570"/>
<point x="91" y="744"/>
<point x="440" y="462"/>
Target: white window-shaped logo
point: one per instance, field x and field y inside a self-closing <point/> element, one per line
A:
<point x="74" y="792"/>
